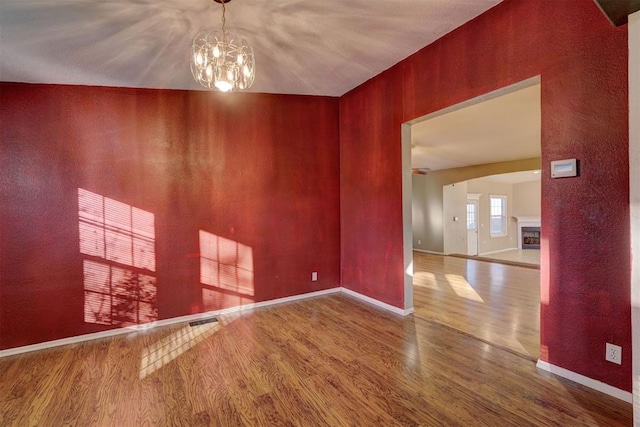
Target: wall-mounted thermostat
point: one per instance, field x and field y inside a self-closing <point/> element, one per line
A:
<point x="564" y="168"/>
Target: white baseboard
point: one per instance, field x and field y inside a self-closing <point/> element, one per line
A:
<point x="586" y="381"/>
<point x="497" y="252"/>
<point x="164" y="322"/>
<point x="545" y="366"/>
<point x="198" y="316"/>
<point x="377" y="303"/>
<point x="290" y="299"/>
<point x="424" y="251"/>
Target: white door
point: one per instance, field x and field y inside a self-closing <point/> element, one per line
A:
<point x="472" y="227"/>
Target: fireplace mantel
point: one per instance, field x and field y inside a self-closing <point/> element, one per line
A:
<point x="525" y="221"/>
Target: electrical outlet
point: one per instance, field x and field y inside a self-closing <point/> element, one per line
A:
<point x="314" y="276"/>
<point x="614" y="353"/>
<point x="419" y="241"/>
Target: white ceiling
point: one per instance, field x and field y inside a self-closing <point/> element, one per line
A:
<point x="497" y="130"/>
<point x="302" y="46"/>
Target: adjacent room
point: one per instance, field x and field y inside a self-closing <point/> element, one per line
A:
<point x="473" y="190"/>
<point x="251" y="212"/>
<point x="476" y="175"/>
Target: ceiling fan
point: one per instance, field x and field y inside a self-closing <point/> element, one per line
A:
<point x="420" y="171"/>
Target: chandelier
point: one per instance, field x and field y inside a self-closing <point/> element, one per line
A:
<point x="222" y="61"/>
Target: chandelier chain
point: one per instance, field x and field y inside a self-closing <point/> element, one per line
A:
<point x="224" y="23"/>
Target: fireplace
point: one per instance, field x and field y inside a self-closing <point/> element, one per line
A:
<point x="531" y="226"/>
<point x="530" y="237"/>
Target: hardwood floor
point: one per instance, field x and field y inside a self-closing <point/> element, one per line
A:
<point x="496" y="303"/>
<point x="326" y="361"/>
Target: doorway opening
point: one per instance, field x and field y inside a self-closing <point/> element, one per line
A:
<point x="464" y="208"/>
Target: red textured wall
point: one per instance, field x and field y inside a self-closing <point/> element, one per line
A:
<point x="582" y="62"/>
<point x="371" y="186"/>
<point x="261" y="170"/>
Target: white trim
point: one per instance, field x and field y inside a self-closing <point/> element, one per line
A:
<point x="289" y="299"/>
<point x="164" y="322"/>
<point x="634" y="199"/>
<point x="407" y="217"/>
<point x="586" y="381"/>
<point x="424" y="251"/>
<point x="377" y="303"/>
<point x="198" y="316"/>
<point x="526" y="221"/>
<point x="64" y="341"/>
<point x="498" y="251"/>
<point x="535" y="80"/>
<point x="580" y="379"/>
<point x="504" y="215"/>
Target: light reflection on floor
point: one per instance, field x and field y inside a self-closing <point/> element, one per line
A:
<point x="462" y="288"/>
<point x="426" y="280"/>
<point x="495" y="303"/>
<point x="167" y="349"/>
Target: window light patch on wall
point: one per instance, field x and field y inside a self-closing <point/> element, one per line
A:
<point x="226" y="272"/>
<point x="118" y="242"/>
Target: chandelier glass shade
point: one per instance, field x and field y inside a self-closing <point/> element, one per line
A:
<point x="222" y="61"/>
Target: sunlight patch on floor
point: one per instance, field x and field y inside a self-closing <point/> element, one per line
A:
<point x="425" y="280"/>
<point x="164" y="351"/>
<point x="462" y="288"/>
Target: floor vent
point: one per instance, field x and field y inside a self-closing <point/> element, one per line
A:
<point x="203" y="321"/>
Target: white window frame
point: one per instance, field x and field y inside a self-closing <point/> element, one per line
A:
<point x="473" y="221"/>
<point x="503" y="215"/>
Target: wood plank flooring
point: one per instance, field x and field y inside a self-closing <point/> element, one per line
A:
<point x="326" y="361"/>
<point x="496" y="303"/>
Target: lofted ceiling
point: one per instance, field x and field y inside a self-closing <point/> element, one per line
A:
<point x="500" y="129"/>
<point x="302" y="46"/>
<point x="305" y="47"/>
